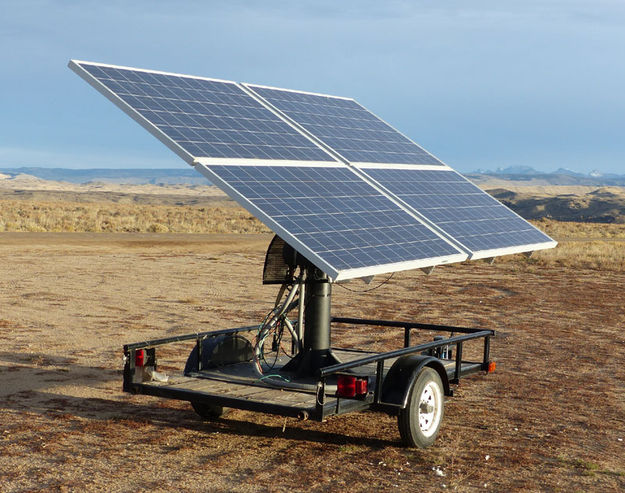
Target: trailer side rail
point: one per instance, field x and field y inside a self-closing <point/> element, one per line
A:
<point x="187" y="337"/>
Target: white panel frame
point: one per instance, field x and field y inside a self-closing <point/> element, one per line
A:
<point x="398" y="267"/>
<point x="247" y="84"/>
<point x="216" y="161"/>
<point x="426" y="167"/>
<point x="498" y="252"/>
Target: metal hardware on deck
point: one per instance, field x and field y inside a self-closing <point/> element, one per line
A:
<point x="406" y="336"/>
<point x="199" y="345"/>
<point x="456" y="378"/>
<point x="379" y="376"/>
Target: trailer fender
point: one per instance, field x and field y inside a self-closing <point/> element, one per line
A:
<point x="224" y="349"/>
<point x="399" y="379"/>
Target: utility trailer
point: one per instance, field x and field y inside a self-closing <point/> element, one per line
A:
<point x="409" y="382"/>
<point x="230" y="369"/>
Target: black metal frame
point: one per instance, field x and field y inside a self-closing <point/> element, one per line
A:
<point x="324" y="407"/>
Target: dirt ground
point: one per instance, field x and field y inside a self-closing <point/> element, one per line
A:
<point x="551" y="418"/>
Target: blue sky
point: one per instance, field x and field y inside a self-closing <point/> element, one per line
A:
<point x="480" y="84"/>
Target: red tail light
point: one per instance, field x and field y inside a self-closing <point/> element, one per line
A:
<point x="350" y="386"/>
<point x="491" y="366"/>
<point x="139" y="357"/>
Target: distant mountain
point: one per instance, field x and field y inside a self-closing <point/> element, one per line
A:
<point x="599" y="206"/>
<point x="562" y="176"/>
<point x="570" y="172"/>
<point x="517" y="170"/>
<point x="121" y="176"/>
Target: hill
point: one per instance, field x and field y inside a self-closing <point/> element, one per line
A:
<point x="180" y="175"/>
<point x="501" y="178"/>
<point x="527" y="176"/>
<point x="601" y="205"/>
<point x="535" y="198"/>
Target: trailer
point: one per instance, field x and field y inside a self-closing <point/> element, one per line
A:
<point x="247" y="367"/>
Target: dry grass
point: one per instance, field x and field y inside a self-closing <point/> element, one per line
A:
<point x="17" y="215"/>
<point x="600" y="255"/>
<point x="569" y="230"/>
<point x="581" y="245"/>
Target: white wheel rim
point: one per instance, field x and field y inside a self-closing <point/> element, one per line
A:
<point x="430" y="409"/>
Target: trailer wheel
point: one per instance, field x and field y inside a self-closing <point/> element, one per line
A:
<point x="420" y="421"/>
<point x="209" y="412"/>
<point x="224" y="350"/>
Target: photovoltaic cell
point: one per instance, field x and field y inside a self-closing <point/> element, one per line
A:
<point x="207" y="118"/>
<point x="335" y="214"/>
<point x="348" y="128"/>
<point x="458" y="207"/>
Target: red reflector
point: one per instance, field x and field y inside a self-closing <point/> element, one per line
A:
<point x="491" y="366"/>
<point x="361" y="386"/>
<point x="140" y="357"/>
<point x="349" y="386"/>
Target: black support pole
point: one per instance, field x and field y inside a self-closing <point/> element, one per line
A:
<point x="317" y="314"/>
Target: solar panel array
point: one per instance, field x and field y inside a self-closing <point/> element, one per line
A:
<point x="302" y="163"/>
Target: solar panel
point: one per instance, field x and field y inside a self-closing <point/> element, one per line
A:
<point x="342" y="187"/>
<point x="482" y="225"/>
<point x="200" y="117"/>
<point x="331" y="215"/>
<point x="345" y="126"/>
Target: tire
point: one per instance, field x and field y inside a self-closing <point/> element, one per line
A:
<point x="421" y="419"/>
<point x="209" y="412"/>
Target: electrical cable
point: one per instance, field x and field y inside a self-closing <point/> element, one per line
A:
<point x="368" y="289"/>
<point x="273" y="322"/>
